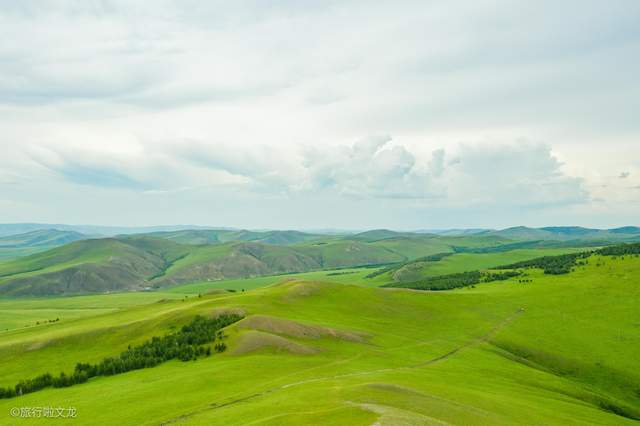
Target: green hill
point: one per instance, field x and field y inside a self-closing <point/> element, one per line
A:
<point x="141" y="262"/>
<point x="144" y="262"/>
<point x="212" y="236"/>
<point x="556" y="350"/>
<point x="449" y="263"/>
<point x="89" y="266"/>
<point x="135" y="263"/>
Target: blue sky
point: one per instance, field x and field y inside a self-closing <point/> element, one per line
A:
<point x="350" y="114"/>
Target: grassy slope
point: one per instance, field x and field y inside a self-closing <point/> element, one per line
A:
<point x="26" y="312"/>
<point x="62" y="257"/>
<point x="7" y="253"/>
<point x="133" y="262"/>
<point x="462" y="262"/>
<point x="356" y="276"/>
<point x="554" y="351"/>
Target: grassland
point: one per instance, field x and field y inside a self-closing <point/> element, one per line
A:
<point x="354" y="276"/>
<point x="559" y="350"/>
<point x="463" y="262"/>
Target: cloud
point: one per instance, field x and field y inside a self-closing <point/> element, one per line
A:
<point x="85" y="168"/>
<point x="521" y="174"/>
<point x="373" y="167"/>
<point x="518" y="174"/>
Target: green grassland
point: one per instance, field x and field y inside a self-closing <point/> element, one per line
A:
<point x="559" y="350"/>
<point x="462" y="262"/>
<point x="32" y="312"/>
<point x="354" y="276"/>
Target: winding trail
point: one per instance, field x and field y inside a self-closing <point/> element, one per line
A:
<point x="471" y="343"/>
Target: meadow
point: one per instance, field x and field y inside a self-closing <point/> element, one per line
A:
<point x="556" y="350"/>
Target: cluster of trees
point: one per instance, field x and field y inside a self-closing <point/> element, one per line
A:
<point x="620" y="250"/>
<point x="553" y="265"/>
<point x="186" y="344"/>
<point x="499" y="276"/>
<point x="564" y="263"/>
<point x="458" y="280"/>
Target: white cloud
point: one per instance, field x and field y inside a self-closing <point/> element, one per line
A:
<point x="373" y="167"/>
<point x="522" y="174"/>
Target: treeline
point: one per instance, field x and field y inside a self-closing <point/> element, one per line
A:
<point x="186" y="344"/>
<point x="458" y="280"/>
<point x="553" y="265"/>
<point x="620" y="250"/>
<point x="564" y="263"/>
<point x="431" y="258"/>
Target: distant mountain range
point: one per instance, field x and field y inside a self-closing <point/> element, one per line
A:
<point x="41" y="238"/>
<point x="97" y="230"/>
<point x="557" y="233"/>
<point x="551" y="232"/>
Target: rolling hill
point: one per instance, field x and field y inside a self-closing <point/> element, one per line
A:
<point x="143" y="262"/>
<point x="136" y="263"/>
<point x="556" y="350"/>
<point x="151" y="261"/>
<point x="450" y="263"/>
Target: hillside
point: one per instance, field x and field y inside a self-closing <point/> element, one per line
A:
<point x="88" y="266"/>
<point x="141" y="262"/>
<point x="144" y="262"/>
<point x="310" y="352"/>
<point x="449" y="263"/>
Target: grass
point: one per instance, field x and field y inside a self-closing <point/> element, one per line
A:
<point x="8" y="253"/>
<point x="355" y="276"/>
<point x="559" y="350"/>
<point x="463" y="262"/>
<point x="27" y="312"/>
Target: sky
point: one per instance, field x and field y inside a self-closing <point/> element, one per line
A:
<point x="320" y="114"/>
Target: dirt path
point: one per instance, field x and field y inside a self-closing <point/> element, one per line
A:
<point x="473" y="342"/>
